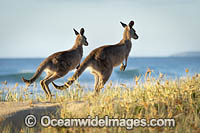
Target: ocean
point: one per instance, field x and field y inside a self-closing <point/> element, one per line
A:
<point x="11" y="70"/>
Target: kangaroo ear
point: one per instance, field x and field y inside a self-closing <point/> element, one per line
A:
<point x="123" y="24"/>
<point x="76" y="32"/>
<point x="131" y="24"/>
<point x="82" y="31"/>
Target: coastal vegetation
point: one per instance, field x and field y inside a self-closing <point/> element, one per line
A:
<point x="148" y="98"/>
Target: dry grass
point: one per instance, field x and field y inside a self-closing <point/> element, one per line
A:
<point x="154" y="98"/>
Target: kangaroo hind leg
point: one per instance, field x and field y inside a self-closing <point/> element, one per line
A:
<point x="48" y="81"/>
<point x="103" y="78"/>
<point x="96" y="78"/>
<point x="42" y="83"/>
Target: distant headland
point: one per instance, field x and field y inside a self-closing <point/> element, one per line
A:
<point x="187" y="54"/>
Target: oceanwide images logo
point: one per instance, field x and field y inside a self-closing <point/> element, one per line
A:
<point x="129" y="123"/>
<point x="46" y="121"/>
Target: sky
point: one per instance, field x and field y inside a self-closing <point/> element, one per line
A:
<point x="39" y="28"/>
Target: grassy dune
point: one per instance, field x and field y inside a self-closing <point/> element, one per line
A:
<point x="153" y="98"/>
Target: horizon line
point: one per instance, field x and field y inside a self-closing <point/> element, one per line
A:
<point x="85" y="57"/>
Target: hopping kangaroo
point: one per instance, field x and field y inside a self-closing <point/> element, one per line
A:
<point x="102" y="60"/>
<point x="59" y="64"/>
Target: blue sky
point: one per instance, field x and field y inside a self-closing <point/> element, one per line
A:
<point x="38" y="28"/>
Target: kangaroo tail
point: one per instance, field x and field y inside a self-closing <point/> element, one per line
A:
<point x="35" y="76"/>
<point x="78" y="72"/>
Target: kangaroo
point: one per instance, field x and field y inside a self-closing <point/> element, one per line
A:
<point x="59" y="64"/>
<point x="102" y="60"/>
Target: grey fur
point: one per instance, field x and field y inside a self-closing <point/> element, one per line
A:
<point x="59" y="64"/>
<point x="102" y="60"/>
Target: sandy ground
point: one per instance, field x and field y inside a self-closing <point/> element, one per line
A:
<point x="12" y="114"/>
<point x="8" y="108"/>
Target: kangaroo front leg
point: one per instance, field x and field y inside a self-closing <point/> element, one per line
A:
<point x="123" y="67"/>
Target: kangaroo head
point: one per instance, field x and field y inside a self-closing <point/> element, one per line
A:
<point x="80" y="37"/>
<point x="129" y="31"/>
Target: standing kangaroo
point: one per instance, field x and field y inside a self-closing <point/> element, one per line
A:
<point x="102" y="60"/>
<point x="59" y="64"/>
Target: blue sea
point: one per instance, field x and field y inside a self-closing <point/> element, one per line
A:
<point x="11" y="70"/>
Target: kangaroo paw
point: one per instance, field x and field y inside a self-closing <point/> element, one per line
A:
<point x="122" y="68"/>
